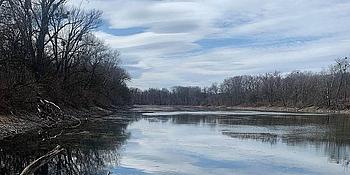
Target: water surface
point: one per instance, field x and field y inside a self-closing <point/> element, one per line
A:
<point x="205" y="142"/>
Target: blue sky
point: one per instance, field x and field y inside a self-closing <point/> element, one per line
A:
<point x="164" y="43"/>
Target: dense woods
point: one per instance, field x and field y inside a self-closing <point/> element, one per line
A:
<point x="327" y="89"/>
<point x="48" y="51"/>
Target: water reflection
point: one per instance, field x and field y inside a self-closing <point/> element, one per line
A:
<point x="162" y="143"/>
<point x="327" y="133"/>
<point x="89" y="149"/>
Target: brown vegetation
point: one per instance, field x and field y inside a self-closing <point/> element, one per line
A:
<point x="48" y="53"/>
<point x="328" y="89"/>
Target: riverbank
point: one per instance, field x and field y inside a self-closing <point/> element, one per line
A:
<point x="290" y="109"/>
<point x="12" y="125"/>
<point x="149" y="108"/>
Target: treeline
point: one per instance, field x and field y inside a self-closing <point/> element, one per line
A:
<point x="48" y="51"/>
<point x="327" y="89"/>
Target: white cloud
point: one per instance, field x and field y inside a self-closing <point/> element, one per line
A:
<point x="282" y="35"/>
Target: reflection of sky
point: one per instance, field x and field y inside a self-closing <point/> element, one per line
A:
<point x="168" y="148"/>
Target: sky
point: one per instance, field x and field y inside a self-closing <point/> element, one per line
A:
<point x="164" y="43"/>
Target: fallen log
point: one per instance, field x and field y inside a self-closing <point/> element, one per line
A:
<point x="32" y="167"/>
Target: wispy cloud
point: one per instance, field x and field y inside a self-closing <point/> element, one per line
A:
<point x="196" y="42"/>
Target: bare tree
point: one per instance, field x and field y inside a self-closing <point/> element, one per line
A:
<point x="326" y="89"/>
<point x="49" y="51"/>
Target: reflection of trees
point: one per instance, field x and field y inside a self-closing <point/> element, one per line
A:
<point x="189" y="119"/>
<point x="263" y="137"/>
<point x="258" y="120"/>
<point x="330" y="134"/>
<point x="89" y="149"/>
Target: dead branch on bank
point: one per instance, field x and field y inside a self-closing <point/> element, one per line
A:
<point x="32" y="167"/>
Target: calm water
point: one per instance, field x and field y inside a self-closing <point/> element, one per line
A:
<point x="200" y="143"/>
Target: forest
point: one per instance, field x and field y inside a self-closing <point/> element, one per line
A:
<point x="327" y="89"/>
<point x="48" y="53"/>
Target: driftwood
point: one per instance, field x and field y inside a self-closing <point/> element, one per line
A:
<point x="32" y="167"/>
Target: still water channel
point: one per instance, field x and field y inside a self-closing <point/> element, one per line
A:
<point x="196" y="142"/>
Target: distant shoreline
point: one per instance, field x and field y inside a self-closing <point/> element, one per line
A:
<point x="148" y="108"/>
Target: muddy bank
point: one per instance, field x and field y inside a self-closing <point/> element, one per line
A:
<point x="16" y="124"/>
<point x="150" y="108"/>
<point x="11" y="125"/>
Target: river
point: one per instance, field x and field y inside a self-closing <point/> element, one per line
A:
<point x="195" y="142"/>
